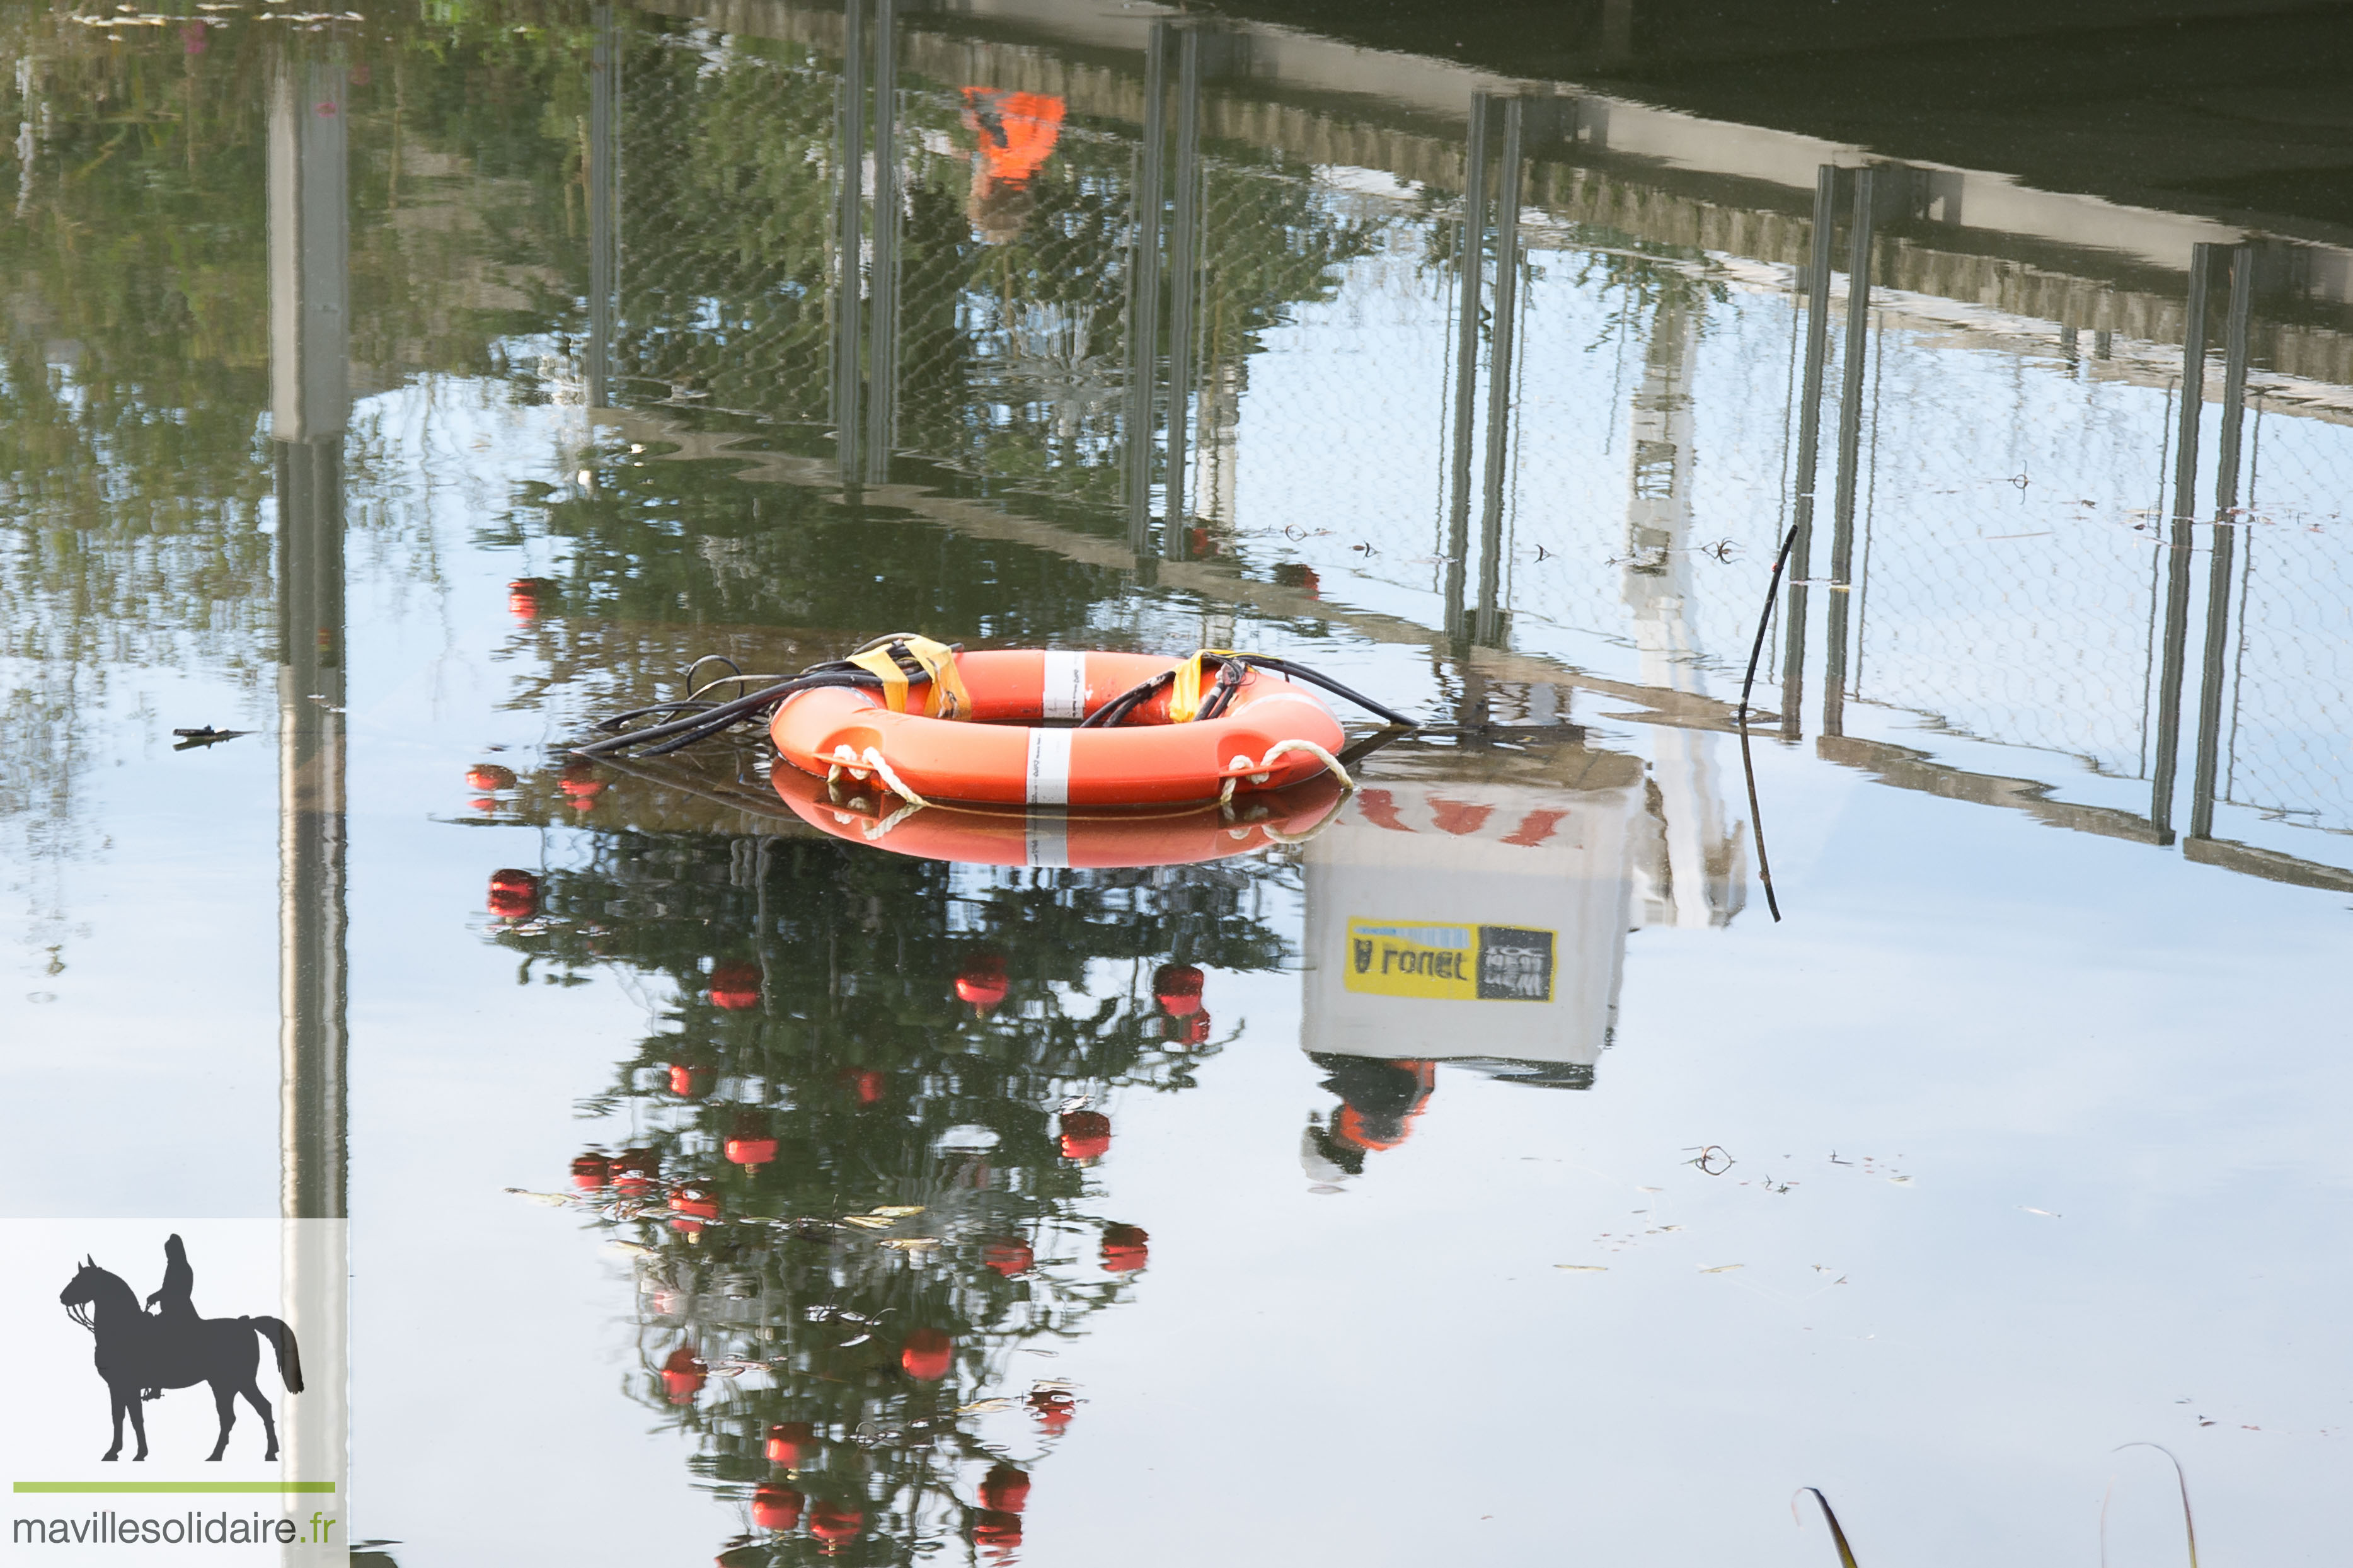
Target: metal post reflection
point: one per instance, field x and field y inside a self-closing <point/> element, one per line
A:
<point x="1144" y="294"/>
<point x="309" y="403"/>
<point x="1489" y="628"/>
<point x="883" y="320"/>
<point x="1849" y="453"/>
<point x="849" y="235"/>
<point x="1470" y="290"/>
<point x="2178" y="541"/>
<point x="1809" y="435"/>
<point x="1183" y="244"/>
<point x="2226" y="532"/>
<point x="310" y="406"/>
<point x="603" y="175"/>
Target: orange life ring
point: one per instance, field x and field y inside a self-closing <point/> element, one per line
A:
<point x="863" y="813"/>
<point x="1268" y="737"/>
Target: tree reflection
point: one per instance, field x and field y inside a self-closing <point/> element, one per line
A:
<point x="852" y="1162"/>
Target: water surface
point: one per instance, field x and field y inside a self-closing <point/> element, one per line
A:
<point x="411" y="391"/>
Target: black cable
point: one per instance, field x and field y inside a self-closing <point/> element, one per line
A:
<point x="1284" y="666"/>
<point x="702" y="725"/>
<point x="1127" y="702"/>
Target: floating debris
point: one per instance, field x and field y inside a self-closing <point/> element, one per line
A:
<point x="2046" y="1213"/>
<point x="1583" y="1267"/>
<point x="1724" y="1268"/>
<point x="1712" y="1159"/>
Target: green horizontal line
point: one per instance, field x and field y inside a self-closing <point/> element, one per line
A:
<point x="175" y="1485"/>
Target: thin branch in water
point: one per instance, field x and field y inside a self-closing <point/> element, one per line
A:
<point x="1749" y="764"/>
<point x="1846" y="1552"/>
<point x="2181" y="1479"/>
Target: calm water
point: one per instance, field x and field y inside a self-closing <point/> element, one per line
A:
<point x="410" y="392"/>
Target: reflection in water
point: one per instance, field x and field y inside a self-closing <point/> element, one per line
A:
<point x="852" y="1159"/>
<point x="1115" y="346"/>
<point x="310" y="307"/>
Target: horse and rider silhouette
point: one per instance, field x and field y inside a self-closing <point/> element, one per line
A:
<point x="142" y="1352"/>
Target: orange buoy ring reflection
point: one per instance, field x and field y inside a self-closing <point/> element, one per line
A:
<point x="862" y="813"/>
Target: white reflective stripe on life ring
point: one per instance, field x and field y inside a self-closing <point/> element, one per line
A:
<point x="1050" y="767"/>
<point x="1066" y="685"/>
<point x="1046" y="839"/>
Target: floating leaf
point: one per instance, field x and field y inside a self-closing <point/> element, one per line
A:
<point x="911" y="1243"/>
<point x="868" y="1222"/>
<point x="897" y="1211"/>
<point x="1724" y="1268"/>
<point x="629" y="1248"/>
<point x="552" y="1200"/>
<point x="1584" y="1267"/>
<point x="984" y="1406"/>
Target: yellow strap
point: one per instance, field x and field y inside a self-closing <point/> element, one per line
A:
<point x="902" y="660"/>
<point x="1184" y="692"/>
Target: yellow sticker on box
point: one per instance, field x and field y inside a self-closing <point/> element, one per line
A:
<point x="1448" y="962"/>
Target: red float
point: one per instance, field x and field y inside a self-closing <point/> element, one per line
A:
<point x="776" y="1507"/>
<point x="735" y="986"/>
<point x="683" y="1374"/>
<point x="789" y="1442"/>
<point x="514" y="895"/>
<point x="690" y="1082"/>
<point x="484" y="777"/>
<point x="996" y="1528"/>
<point x="522" y="598"/>
<point x="1005" y="1489"/>
<point x="1053" y="1408"/>
<point x="927" y="1355"/>
<point x="1189" y="1031"/>
<point x="983" y="983"/>
<point x="1007" y="1255"/>
<point x="1125" y="1249"/>
<point x="865" y="1083"/>
<point x="1086" y="1135"/>
<point x="832" y="1523"/>
<point x="590" y="1170"/>
<point x="633" y="1170"/>
<point x="1178" y="988"/>
<point x="750" y="1151"/>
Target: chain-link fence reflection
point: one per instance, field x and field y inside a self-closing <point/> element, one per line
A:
<point x="1524" y="429"/>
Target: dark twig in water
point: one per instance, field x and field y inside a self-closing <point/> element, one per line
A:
<point x="206" y="736"/>
<point x="1846" y="1552"/>
<point x="1747" y="763"/>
